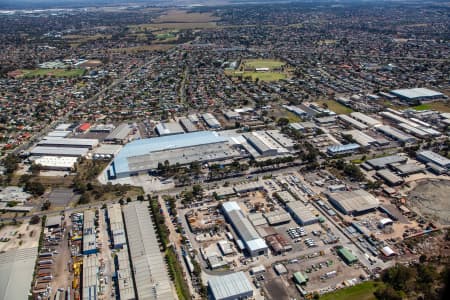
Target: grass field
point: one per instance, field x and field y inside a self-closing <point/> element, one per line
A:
<point x="363" y="291"/>
<point x="263" y="63"/>
<point x="263" y="76"/>
<point x="438" y="105"/>
<point x="52" y="72"/>
<point x="336" y="107"/>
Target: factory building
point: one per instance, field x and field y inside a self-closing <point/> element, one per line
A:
<point x="296" y="110"/>
<point x="149" y="268"/>
<point x="417" y="94"/>
<point x="90" y="282"/>
<point x="211" y="121"/>
<point x="234" y="286"/>
<point x="389" y="177"/>
<point x="264" y="144"/>
<point x="120" y="134"/>
<point x="187" y="125"/>
<point x="408" y="169"/>
<point x="59" y="151"/>
<point x="58" y="134"/>
<point x="102" y="128"/>
<point x="396" y="134"/>
<point x="142" y="156"/>
<point x="116" y="228"/>
<point x="301" y="213"/>
<point x="124" y="275"/>
<point x="16" y="273"/>
<point x="69" y="142"/>
<point x="354" y="202"/>
<point x="383" y="162"/>
<point x="57" y="163"/>
<point x="360" y="137"/>
<point x="432" y="157"/>
<point x="89" y="233"/>
<point x="342" y="149"/>
<point x="281" y="139"/>
<point x="363" y="118"/>
<point x="353" y="122"/>
<point x="169" y="128"/>
<point x="253" y="243"/>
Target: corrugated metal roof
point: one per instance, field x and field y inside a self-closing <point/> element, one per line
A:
<point x="16" y="273"/>
<point x="116" y="224"/>
<point x="147" y="146"/>
<point x="90" y="277"/>
<point x="59" y="151"/>
<point x="149" y="269"/>
<point x="227" y="286"/>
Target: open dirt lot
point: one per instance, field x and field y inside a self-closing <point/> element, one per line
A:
<point x="22" y="236"/>
<point x="431" y="198"/>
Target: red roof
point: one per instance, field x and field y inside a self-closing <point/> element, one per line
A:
<point x="84" y="127"/>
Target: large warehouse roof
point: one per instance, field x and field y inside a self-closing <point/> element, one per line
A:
<point x="382" y="162"/>
<point x="150" y="274"/>
<point x="140" y="148"/>
<point x="69" y="142"/>
<point x="301" y="212"/>
<point x="90" y="277"/>
<point x="16" y="273"/>
<point x="416" y="93"/>
<point x="119" y="133"/>
<point x="116" y="224"/>
<point x="59" y="151"/>
<point x="230" y="286"/>
<point x="244" y="228"/>
<point x="355" y="201"/>
<point x="430" y="156"/>
<point x="169" y="128"/>
<point x="124" y="278"/>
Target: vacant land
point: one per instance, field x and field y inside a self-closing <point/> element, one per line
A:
<point x="431" y="198"/>
<point x="52" y="72"/>
<point x="363" y="291"/>
<point x="182" y="16"/>
<point x="335" y="106"/>
<point x="262" y="63"/>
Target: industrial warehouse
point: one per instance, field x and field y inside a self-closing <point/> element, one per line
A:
<point x="354" y="202"/>
<point x="253" y="243"/>
<point x="149" y="269"/>
<point x="142" y="156"/>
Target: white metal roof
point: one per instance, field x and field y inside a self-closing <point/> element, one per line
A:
<point x="149" y="269"/>
<point x="227" y="286"/>
<point x="16" y="273"/>
<point x="416" y="93"/>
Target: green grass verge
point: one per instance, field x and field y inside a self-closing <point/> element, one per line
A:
<point x="52" y="72"/>
<point x="363" y="291"/>
<point x="336" y="107"/>
<point x="176" y="272"/>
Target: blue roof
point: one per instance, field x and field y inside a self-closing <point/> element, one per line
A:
<point x="147" y="146"/>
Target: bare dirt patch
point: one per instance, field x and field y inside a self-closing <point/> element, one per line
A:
<point x="432" y="199"/>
